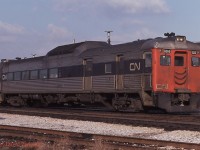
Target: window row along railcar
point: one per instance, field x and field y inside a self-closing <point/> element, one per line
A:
<point x="153" y="73"/>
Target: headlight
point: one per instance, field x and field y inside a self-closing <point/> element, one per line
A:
<point x="180" y="38"/>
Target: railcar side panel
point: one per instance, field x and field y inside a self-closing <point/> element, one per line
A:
<point x="61" y="85"/>
<point x="132" y="82"/>
<point x="104" y="82"/>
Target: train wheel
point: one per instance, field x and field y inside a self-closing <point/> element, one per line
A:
<point x="16" y="101"/>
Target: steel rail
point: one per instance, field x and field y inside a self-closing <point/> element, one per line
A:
<point x="166" y="121"/>
<point x="90" y="140"/>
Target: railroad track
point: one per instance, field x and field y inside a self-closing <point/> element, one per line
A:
<point x="166" y="121"/>
<point x="69" y="140"/>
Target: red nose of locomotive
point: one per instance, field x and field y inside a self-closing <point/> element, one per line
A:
<point x="176" y="70"/>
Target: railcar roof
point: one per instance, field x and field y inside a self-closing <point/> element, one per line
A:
<point x="91" y="48"/>
<point x="24" y="60"/>
<point x="170" y="43"/>
<point x="82" y="46"/>
<point x="119" y="48"/>
<point x="141" y="45"/>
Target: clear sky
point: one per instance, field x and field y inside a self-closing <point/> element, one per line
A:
<point x="36" y="26"/>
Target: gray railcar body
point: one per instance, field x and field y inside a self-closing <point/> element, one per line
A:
<point x="119" y="76"/>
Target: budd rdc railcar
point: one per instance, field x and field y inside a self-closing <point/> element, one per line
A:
<point x="154" y="73"/>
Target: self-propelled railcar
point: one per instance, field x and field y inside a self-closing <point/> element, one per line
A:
<point x="153" y="73"/>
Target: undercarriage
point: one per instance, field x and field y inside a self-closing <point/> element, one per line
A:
<point x="178" y="102"/>
<point x="116" y="101"/>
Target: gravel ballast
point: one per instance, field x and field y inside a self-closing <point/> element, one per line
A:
<point x="99" y="128"/>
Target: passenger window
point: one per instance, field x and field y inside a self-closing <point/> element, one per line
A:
<point x="195" y="61"/>
<point x="108" y="68"/>
<point x="17" y="76"/>
<point x="25" y="75"/>
<point x="53" y="73"/>
<point x="148" y="60"/>
<point x="179" y="61"/>
<point x="10" y="76"/>
<point x="34" y="74"/>
<point x="43" y="74"/>
<point x="165" y="60"/>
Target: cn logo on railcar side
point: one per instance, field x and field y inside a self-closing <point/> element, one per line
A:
<point x="134" y="66"/>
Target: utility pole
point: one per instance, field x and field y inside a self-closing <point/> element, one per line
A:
<point x="108" y="36"/>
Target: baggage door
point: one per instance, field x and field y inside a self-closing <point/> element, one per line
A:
<point x="88" y="67"/>
<point x="119" y="72"/>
